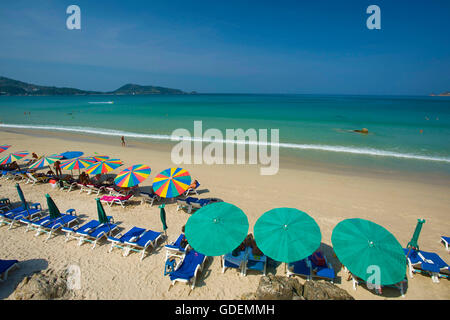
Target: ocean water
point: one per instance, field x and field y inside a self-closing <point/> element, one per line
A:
<point x="405" y="133"/>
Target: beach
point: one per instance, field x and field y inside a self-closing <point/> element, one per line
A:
<point x="329" y="194"/>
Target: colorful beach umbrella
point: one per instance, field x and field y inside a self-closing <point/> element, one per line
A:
<point x="104" y="166"/>
<point x="132" y="176"/>
<point x="287" y="234"/>
<point x="13" y="157"/>
<point x="45" y="161"/>
<point x="97" y="158"/>
<point x="4" y="147"/>
<point x="171" y="182"/>
<point x="364" y="247"/>
<point x="77" y="163"/>
<point x="216" y="229"/>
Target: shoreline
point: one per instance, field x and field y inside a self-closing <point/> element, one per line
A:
<point x="329" y="195"/>
<point x="286" y="161"/>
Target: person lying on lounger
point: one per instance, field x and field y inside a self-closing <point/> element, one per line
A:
<point x="13" y="166"/>
<point x="184" y="242"/>
<point x="97" y="180"/>
<point x="193" y="185"/>
<point x="249" y="242"/>
<point x="83" y="178"/>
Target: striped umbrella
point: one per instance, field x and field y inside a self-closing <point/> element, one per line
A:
<point x="132" y="176"/>
<point x="171" y="182"/>
<point x="13" y="157"/>
<point x="44" y="162"/>
<point x="4" y="147"/>
<point x="104" y="166"/>
<point x="77" y="163"/>
<point x="97" y="158"/>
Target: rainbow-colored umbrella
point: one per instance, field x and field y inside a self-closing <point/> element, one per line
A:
<point x="132" y="176"/>
<point x="104" y="166"/>
<point x="4" y="147"/>
<point x="97" y="158"/>
<point x="46" y="161"/>
<point x="171" y="182"/>
<point x="13" y="157"/>
<point x="77" y="163"/>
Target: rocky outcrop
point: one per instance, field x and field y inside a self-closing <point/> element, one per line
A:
<point x="44" y="285"/>
<point x="278" y="288"/>
<point x="322" y="290"/>
<point x="283" y="288"/>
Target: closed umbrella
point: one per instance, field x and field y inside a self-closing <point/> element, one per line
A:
<point x="52" y="208"/>
<point x="287" y="234"/>
<point x="362" y="245"/>
<point x="216" y="229"/>
<point x="22" y="197"/>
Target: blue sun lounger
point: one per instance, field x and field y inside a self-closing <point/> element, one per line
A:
<point x="188" y="268"/>
<point x="6" y="266"/>
<point x="17" y="214"/>
<point x="149" y="239"/>
<point x="34" y="223"/>
<point x="300" y="268"/>
<point x="53" y="225"/>
<point x="428" y="263"/>
<point x="236" y="261"/>
<point x="191" y="203"/>
<point x="254" y="262"/>
<point x="325" y="272"/>
<point x="175" y="249"/>
<point x="5" y="204"/>
<point x="94" y="235"/>
<point x="91" y="225"/>
<point x="119" y="240"/>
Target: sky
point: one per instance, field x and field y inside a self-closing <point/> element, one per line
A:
<point x="294" y="47"/>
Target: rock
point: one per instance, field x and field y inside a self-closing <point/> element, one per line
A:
<point x="44" y="285"/>
<point x="248" y="296"/>
<point x="277" y="288"/>
<point x="321" y="290"/>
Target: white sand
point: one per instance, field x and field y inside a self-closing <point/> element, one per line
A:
<point x="394" y="202"/>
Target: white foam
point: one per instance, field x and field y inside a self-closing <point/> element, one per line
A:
<point x="318" y="147"/>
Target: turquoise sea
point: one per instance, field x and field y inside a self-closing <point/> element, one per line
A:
<point x="314" y="127"/>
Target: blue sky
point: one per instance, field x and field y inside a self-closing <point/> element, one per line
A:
<point x="230" y="46"/>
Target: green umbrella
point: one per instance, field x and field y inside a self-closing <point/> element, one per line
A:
<point x="287" y="234"/>
<point x="162" y="214"/>
<point x="414" y="241"/>
<point x="52" y="208"/>
<point x="361" y="245"/>
<point x="22" y="197"/>
<point x="216" y="229"/>
<point x="102" y="218"/>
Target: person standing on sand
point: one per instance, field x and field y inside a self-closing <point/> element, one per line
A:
<point x="57" y="167"/>
<point x="123" y="141"/>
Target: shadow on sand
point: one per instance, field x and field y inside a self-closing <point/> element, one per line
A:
<point x="15" y="276"/>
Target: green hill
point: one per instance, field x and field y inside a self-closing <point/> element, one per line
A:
<point x="11" y="87"/>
